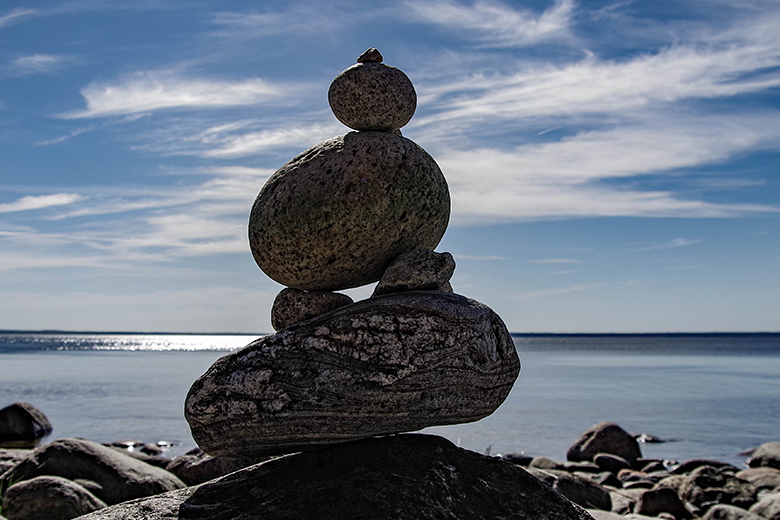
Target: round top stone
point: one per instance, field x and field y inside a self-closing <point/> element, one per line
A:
<point x="372" y="96"/>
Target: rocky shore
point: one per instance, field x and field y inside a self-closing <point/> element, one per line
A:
<point x="604" y="476"/>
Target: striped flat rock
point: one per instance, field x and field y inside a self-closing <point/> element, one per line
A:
<point x="389" y="364"/>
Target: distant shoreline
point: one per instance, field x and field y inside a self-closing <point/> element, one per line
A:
<point x="513" y="334"/>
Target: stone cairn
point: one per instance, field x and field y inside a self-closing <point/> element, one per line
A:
<point x="359" y="208"/>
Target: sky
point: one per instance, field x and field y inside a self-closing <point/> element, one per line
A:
<point x="613" y="165"/>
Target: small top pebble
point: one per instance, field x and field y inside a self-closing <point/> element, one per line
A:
<point x="370" y="56"/>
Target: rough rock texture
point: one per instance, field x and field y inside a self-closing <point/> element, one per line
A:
<point x="726" y="512"/>
<point x="389" y="364"/>
<point x="196" y="467"/>
<point x="48" y="498"/>
<point x="335" y="216"/>
<point x="23" y="422"/>
<point x="372" y="96"/>
<point x="768" y="507"/>
<point x="706" y="486"/>
<point x="604" y="437"/>
<point x="690" y="465"/>
<point x="662" y="500"/>
<point x="417" y="270"/>
<point x="768" y="454"/>
<point x="120" y="477"/>
<point x="293" y="306"/>
<point x="401" y="477"/>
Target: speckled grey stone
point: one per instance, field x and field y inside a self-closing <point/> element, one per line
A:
<point x="372" y="96"/>
<point x="292" y="306"/>
<point x="336" y="216"/>
<point x="389" y="364"/>
<point x="417" y="270"/>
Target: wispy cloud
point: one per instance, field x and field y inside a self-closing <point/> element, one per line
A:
<point x="36" y="64"/>
<point x="14" y="16"/>
<point x="496" y="23"/>
<point x="40" y="201"/>
<point x="672" y="244"/>
<point x="149" y="91"/>
<point x="555" y="261"/>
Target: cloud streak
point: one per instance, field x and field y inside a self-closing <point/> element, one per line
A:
<point x="33" y="202"/>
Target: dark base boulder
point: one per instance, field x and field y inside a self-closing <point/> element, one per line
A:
<point x="22" y="422"/>
<point x="398" y="477"/>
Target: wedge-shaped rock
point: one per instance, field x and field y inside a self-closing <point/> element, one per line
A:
<point x="389" y="364"/>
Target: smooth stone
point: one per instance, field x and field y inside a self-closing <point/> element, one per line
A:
<point x="23" y="422"/>
<point x="762" y="478"/>
<point x="727" y="512"/>
<point x="337" y="215"/>
<point x="293" y="306"/>
<point x="389" y="364"/>
<point x="544" y="463"/>
<point x="768" y="454"/>
<point x="196" y="467"/>
<point x="694" y="464"/>
<point x="583" y="492"/>
<point x="662" y="500"/>
<point x="401" y="477"/>
<point x="521" y="459"/>
<point x="11" y="457"/>
<point x="418" y="270"/>
<point x="768" y="507"/>
<point x="707" y="485"/>
<point x="119" y="476"/>
<point x="604" y="437"/>
<point x="372" y="96"/>
<point x="48" y="498"/>
<point x="611" y="463"/>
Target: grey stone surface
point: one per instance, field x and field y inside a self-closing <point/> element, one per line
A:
<point x="726" y="512"/>
<point x="11" y="457"/>
<point x="293" y="306"/>
<point x="768" y="454"/>
<point x="402" y="477"/>
<point x="393" y="363"/>
<point x="335" y="216"/>
<point x="768" y="507"/>
<point x="611" y="463"/>
<point x="662" y="500"/>
<point x="23" y="422"/>
<point x="761" y="478"/>
<point x="417" y="270"/>
<point x="707" y="485"/>
<point x="120" y="477"/>
<point x="196" y="467"/>
<point x="584" y="492"/>
<point x="372" y="96"/>
<point x="604" y="437"/>
<point x="48" y="498"/>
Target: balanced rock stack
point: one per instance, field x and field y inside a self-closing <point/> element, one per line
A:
<point x="359" y="208"/>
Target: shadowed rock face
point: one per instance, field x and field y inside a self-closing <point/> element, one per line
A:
<point x="393" y="363"/>
<point x="402" y="477"/>
<point x="336" y="216"/>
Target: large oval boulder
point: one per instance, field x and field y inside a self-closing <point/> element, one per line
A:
<point x="400" y="477"/>
<point x="335" y="216"/>
<point x="604" y="437"/>
<point x="389" y="364"/>
<point x="766" y="455"/>
<point x="48" y="498"/>
<point x="23" y="422"/>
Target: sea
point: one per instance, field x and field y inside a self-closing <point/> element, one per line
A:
<point x="710" y="396"/>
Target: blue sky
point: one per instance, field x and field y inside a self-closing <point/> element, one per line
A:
<point x="613" y="165"/>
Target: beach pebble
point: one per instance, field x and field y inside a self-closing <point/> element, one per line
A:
<point x="372" y="96"/>
<point x="385" y="365"/>
<point x="417" y="270"/>
<point x="708" y="485"/>
<point x="693" y="464"/>
<point x="336" y="216"/>
<point x="293" y="306"/>
<point x="604" y="437"/>
<point x="48" y="498"/>
<point x="768" y="507"/>
<point x="583" y="492"/>
<point x="119" y="476"/>
<point x="662" y="500"/>
<point x="762" y="478"/>
<point x="727" y="512"/>
<point x="23" y="422"/>
<point x="768" y="454"/>
<point x="611" y="463"/>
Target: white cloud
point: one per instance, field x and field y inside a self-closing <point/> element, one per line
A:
<point x="40" y="201"/>
<point x="15" y="16"/>
<point x="36" y="63"/>
<point x="672" y="244"/>
<point x="496" y="23"/>
<point x="148" y="91"/>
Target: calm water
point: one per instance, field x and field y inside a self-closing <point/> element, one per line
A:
<point x="710" y="396"/>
